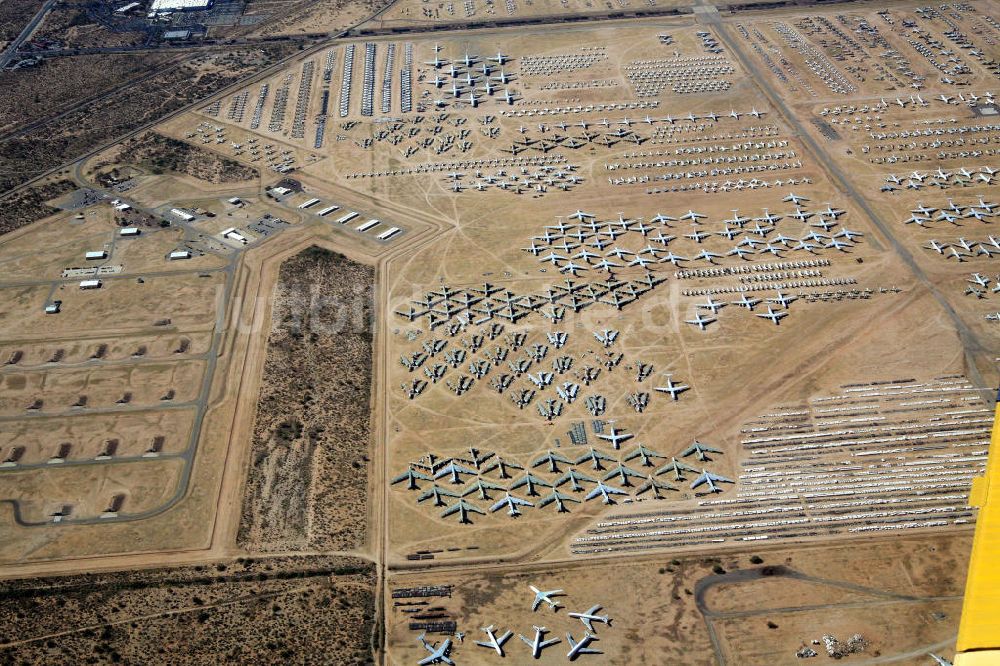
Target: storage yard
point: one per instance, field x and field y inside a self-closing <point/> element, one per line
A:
<point x="687" y="318"/>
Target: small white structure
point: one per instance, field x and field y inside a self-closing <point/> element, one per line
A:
<point x="122" y="206"/>
<point x="236" y="201"/>
<point x="166" y="6"/>
<point x="53" y="307"/>
<point x="326" y="211"/>
<point x="388" y="233"/>
<point x="347" y="218"/>
<point x="308" y="204"/>
<point x="281" y="191"/>
<point x="128" y="232"/>
<point x="367" y="225"/>
<point x="233" y="233"/>
<point x="182" y="214"/>
<point x="95" y="255"/>
<point x="179" y="254"/>
<point x="90" y="284"/>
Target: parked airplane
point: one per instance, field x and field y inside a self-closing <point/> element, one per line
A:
<point x="774" y="315"/>
<point x="439" y="655"/>
<point x="699" y="450"/>
<point x="462" y="508"/>
<point x="699" y="321"/>
<point x="559" y="499"/>
<point x="711" y="479"/>
<point x="545" y="596"/>
<point x="411" y="476"/>
<point x="578" y="648"/>
<point x="511" y="502"/>
<point x="616" y="437"/>
<point x="537" y="645"/>
<point x="674" y="389"/>
<point x="605" y="492"/>
<point x="494" y="642"/>
<point x="677" y="467"/>
<point x="589" y="617"/>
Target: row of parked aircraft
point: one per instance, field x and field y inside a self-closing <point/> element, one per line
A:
<point x="496" y="641"/>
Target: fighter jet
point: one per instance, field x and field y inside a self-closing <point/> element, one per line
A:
<point x="674" y="389"/>
<point x="537" y="645"/>
<point x="439" y="655"/>
<point x="545" y="596"/>
<point x="494" y="642"/>
<point x="711" y="479"/>
<point x="589" y="617"/>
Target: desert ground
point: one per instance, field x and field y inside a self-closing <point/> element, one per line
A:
<point x="689" y="316"/>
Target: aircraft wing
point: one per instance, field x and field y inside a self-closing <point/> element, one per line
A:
<point x="519" y="501"/>
<point x="701" y="480"/>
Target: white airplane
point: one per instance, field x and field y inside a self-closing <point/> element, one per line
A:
<point x="545" y="596"/>
<point x="511" y="502"/>
<point x="774" y="315"/>
<point x="578" y="648"/>
<point x="616" y="437"/>
<point x="709" y="304"/>
<point x="499" y="58"/>
<point x="589" y="617"/>
<point x="494" y="642"/>
<point x="795" y="198"/>
<point x="748" y="303"/>
<point x="782" y="300"/>
<point x="699" y="321"/>
<point x="711" y="479"/>
<point x="439" y="655"/>
<point x="537" y="645"/>
<point x="693" y="216"/>
<point x="436" y="63"/>
<point x="605" y="492"/>
<point x="672" y="388"/>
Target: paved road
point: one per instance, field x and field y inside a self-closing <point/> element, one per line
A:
<point x="970" y="341"/>
<point x="35" y="21"/>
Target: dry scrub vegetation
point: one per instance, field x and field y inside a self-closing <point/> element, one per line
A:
<point x="91" y="125"/>
<point x="265" y="611"/>
<point x="159" y="154"/>
<point x="36" y="93"/>
<point x="27" y="204"/>
<point x="14" y="15"/>
<point x="308" y="479"/>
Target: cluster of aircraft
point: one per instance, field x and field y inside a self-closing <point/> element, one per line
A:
<point x="561" y="176"/>
<point x="496" y="641"/>
<point x="492" y="479"/>
<point x="952" y="213"/>
<point x="940" y="178"/>
<point x="463" y="77"/>
<point x="979" y="285"/>
<point x="961" y="249"/>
